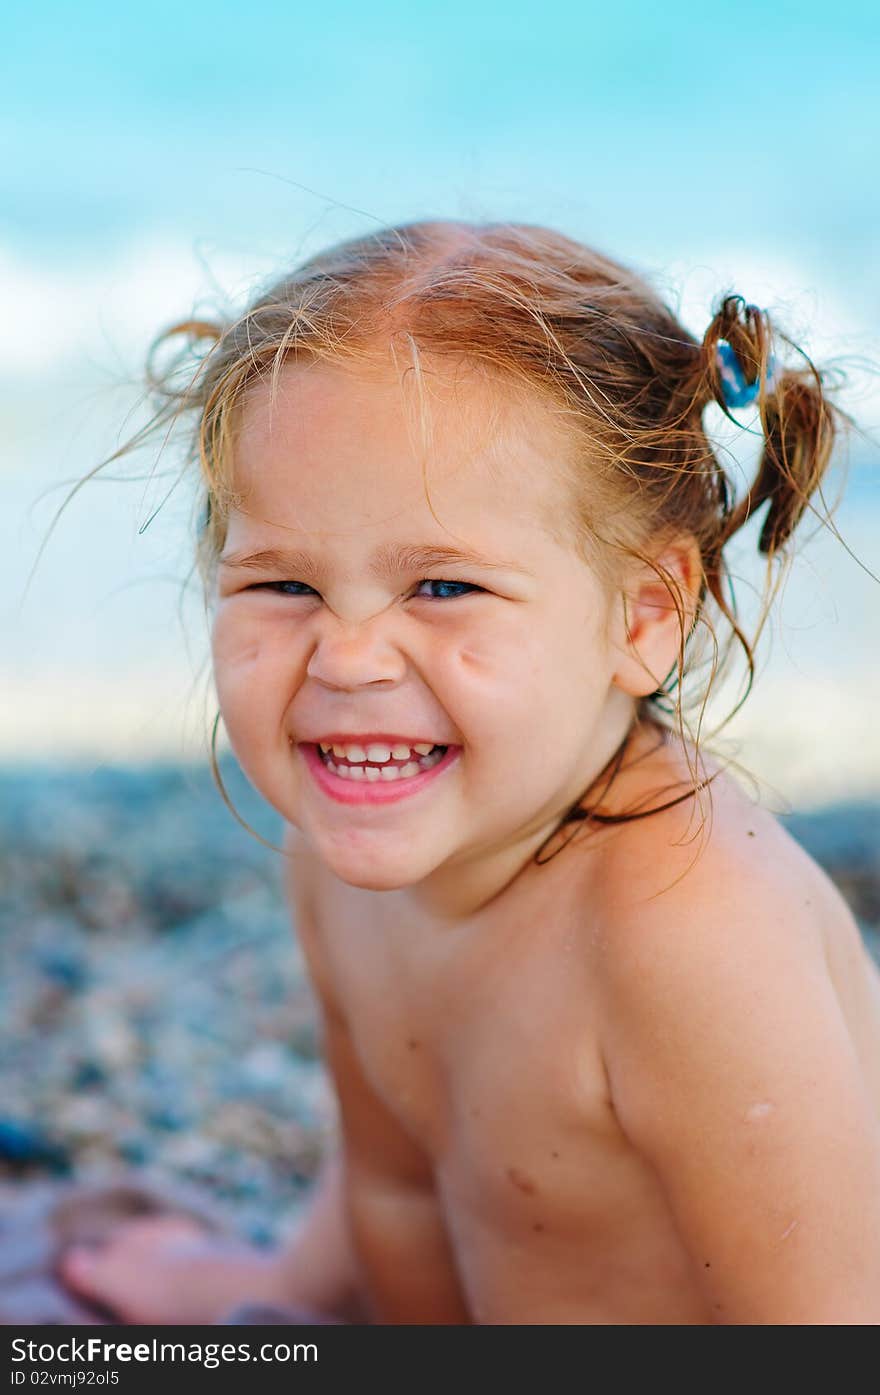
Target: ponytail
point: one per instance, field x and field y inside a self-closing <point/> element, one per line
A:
<point x="798" y="421"/>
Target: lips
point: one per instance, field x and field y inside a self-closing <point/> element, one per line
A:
<point x="374" y="784"/>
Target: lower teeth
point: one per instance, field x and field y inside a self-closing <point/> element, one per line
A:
<point x="385" y="773"/>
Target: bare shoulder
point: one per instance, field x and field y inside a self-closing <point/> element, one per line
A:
<point x="717" y="855"/>
<point x="713" y="898"/>
<point x="738" y="1021"/>
<point x="718" y="912"/>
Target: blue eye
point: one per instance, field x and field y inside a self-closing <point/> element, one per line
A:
<point x="281" y="587"/>
<point x="430" y="582"/>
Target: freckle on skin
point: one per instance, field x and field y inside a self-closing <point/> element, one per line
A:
<point x="521" y="1181"/>
<point x="538" y="1226"/>
<point x="413" y="1044"/>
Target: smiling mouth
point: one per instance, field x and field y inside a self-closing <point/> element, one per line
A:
<point x="386" y="771"/>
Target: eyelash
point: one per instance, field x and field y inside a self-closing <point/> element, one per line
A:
<point x="429" y="581"/>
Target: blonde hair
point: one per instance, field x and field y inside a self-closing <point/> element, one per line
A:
<point x="544" y="311"/>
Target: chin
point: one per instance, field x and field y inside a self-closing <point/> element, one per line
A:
<point x="374" y="869"/>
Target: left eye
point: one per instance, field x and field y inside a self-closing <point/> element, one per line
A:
<point x="467" y="585"/>
<point x="281" y="587"/>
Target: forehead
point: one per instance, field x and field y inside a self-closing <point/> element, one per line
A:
<point x="332" y="444"/>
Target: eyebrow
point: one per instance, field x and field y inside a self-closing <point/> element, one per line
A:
<point x="386" y="561"/>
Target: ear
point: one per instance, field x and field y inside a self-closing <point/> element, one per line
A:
<point x="650" y="612"/>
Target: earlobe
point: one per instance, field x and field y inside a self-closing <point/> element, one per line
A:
<point x="651" y="614"/>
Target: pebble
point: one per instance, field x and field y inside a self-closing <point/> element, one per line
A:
<point x="24" y="1145"/>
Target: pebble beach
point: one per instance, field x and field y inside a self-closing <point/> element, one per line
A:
<point x="154" y="1009"/>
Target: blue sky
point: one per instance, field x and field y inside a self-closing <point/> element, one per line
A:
<point x="157" y="156"/>
<point x="654" y="126"/>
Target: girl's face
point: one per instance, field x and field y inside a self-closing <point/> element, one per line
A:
<point x="344" y="616"/>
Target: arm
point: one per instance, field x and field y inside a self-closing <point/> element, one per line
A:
<point x="317" y="1268"/>
<point x="375" y="1234"/>
<point x="396" y="1220"/>
<point x="733" y="1072"/>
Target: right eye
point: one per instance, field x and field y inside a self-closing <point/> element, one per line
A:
<point x="280" y="587"/>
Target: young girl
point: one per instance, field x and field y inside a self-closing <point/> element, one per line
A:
<point x="605" y="1040"/>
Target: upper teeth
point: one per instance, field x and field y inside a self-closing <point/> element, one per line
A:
<point x="376" y="752"/>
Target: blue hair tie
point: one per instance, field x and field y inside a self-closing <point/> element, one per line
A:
<point x="734" y="388"/>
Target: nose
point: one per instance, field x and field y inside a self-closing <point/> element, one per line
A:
<point x="350" y="655"/>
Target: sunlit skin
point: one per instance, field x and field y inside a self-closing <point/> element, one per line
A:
<point x="637" y="1084"/>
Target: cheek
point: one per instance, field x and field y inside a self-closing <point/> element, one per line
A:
<point x="235" y="647"/>
<point x="540" y="686"/>
<point x="541" y="660"/>
<point x="485" y="662"/>
<point x="249" y="670"/>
